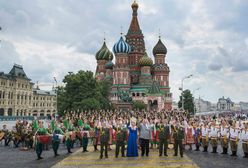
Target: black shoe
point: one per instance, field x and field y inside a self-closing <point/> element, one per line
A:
<point x="165" y="154"/>
<point x="101" y="157"/>
<point x="160" y="154"/>
<point x="116" y="156"/>
<point x="175" y="155"/>
<point x="147" y="155"/>
<point x="123" y="156"/>
<point x="39" y="158"/>
<point x="181" y="156"/>
<point x="106" y="156"/>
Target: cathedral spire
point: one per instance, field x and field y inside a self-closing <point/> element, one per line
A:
<point x="134" y="26"/>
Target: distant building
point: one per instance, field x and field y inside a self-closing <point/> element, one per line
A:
<point x="202" y="105"/>
<point x="243" y="106"/>
<point x="18" y="97"/>
<point x="225" y="104"/>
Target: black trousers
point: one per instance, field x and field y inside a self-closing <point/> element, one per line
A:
<point x="178" y="143"/>
<point x="144" y="146"/>
<point x="104" y="147"/>
<point x="163" y="146"/>
<point x="120" y="144"/>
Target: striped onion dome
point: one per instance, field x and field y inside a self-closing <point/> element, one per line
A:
<point x="159" y="48"/>
<point x="121" y="47"/>
<point x="109" y="65"/>
<point x="145" y="61"/>
<point x="104" y="53"/>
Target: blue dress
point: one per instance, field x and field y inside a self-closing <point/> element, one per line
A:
<point x="132" y="147"/>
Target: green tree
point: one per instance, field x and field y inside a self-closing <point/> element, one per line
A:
<point x="188" y="101"/>
<point x="83" y="92"/>
<point x="139" y="105"/>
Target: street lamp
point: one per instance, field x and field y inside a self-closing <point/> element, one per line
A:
<point x="186" y="77"/>
<point x="56" y="91"/>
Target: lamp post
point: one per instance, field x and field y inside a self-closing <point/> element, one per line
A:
<point x="194" y="98"/>
<point x="186" y="77"/>
<point x="56" y="91"/>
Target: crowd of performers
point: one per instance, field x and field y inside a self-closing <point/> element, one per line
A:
<point x="131" y="131"/>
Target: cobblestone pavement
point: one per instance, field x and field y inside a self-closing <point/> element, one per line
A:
<point x="11" y="157"/>
<point x="15" y="158"/>
<point x="91" y="160"/>
<point x="210" y="160"/>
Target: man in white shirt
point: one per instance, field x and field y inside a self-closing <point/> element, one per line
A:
<point x="224" y="133"/>
<point x="234" y="138"/>
<point x="244" y="138"/>
<point x="214" y="136"/>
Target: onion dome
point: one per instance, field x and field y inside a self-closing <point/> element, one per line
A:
<point x="145" y="61"/>
<point x="121" y="47"/>
<point x="109" y="65"/>
<point x="104" y="53"/>
<point x="135" y="5"/>
<point x="159" y="48"/>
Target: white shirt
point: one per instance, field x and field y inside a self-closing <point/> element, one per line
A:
<point x="234" y="133"/>
<point x="213" y="132"/>
<point x="224" y="131"/>
<point x="204" y="131"/>
<point x="244" y="135"/>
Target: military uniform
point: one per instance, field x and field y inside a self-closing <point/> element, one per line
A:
<point x="164" y="133"/>
<point x="120" y="140"/>
<point x="178" y="135"/>
<point x="104" y="139"/>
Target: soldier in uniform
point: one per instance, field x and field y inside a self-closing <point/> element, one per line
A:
<point x="224" y="133"/>
<point x="234" y="134"/>
<point x="205" y="132"/>
<point x="164" y="133"/>
<point x="178" y="135"/>
<point x="214" y="136"/>
<point x="121" y="132"/>
<point x="244" y="137"/>
<point x="39" y="146"/>
<point x="104" y="139"/>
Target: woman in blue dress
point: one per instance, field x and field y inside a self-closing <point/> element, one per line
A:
<point x="132" y="147"/>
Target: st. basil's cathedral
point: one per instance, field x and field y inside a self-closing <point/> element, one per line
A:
<point x="134" y="71"/>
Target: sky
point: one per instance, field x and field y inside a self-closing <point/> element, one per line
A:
<point x="206" y="38"/>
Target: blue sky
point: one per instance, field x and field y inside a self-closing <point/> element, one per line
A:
<point x="207" y="38"/>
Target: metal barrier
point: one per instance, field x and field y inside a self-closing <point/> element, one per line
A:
<point x="14" y="118"/>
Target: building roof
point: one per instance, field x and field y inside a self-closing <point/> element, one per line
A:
<point x="17" y="71"/>
<point x="44" y="92"/>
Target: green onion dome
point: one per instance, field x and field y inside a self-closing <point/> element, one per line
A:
<point x="145" y="61"/>
<point x="109" y="65"/>
<point x="104" y="53"/>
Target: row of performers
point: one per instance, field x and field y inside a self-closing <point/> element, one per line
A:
<point x="160" y="133"/>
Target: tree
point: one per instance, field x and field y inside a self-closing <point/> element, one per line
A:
<point x="139" y="105"/>
<point x="188" y="101"/>
<point x="83" y="92"/>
